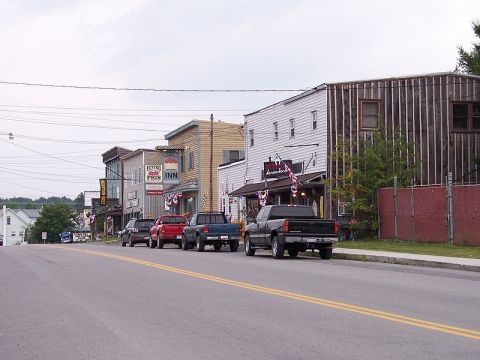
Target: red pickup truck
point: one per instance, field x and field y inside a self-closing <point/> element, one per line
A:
<point x="167" y="229"/>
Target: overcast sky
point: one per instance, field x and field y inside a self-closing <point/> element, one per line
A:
<point x="187" y="45"/>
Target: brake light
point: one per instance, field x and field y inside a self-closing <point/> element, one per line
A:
<point x="337" y="227"/>
<point x="285" y="226"/>
<point x="205" y="229"/>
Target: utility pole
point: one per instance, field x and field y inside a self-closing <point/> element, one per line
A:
<point x="211" y="162"/>
<point x="4" y="225"/>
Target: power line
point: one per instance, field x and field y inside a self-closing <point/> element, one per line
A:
<point x="31" y="188"/>
<point x="145" y="89"/>
<point x="82" y="141"/>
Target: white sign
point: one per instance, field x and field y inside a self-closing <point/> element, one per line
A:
<point x="44" y="235"/>
<point x="153" y="174"/>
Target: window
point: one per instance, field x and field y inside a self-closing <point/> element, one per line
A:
<point x="20" y="233"/>
<point x="182" y="163"/>
<point x="292" y="128"/>
<point x="275" y="131"/>
<point x="314" y="120"/>
<point x="466" y="117"/>
<point x="370" y="113"/>
<point x="8" y="220"/>
<point x="140" y="175"/>
<point x="251" y="137"/>
<point x="13" y="233"/>
<point x="191" y="161"/>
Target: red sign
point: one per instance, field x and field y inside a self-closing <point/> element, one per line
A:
<point x="154" y="192"/>
<point x="272" y="169"/>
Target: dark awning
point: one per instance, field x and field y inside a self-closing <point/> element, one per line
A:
<point x="191" y="185"/>
<point x="277" y="185"/>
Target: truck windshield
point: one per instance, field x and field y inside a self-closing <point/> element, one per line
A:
<point x="210" y="219"/>
<point x="282" y="212"/>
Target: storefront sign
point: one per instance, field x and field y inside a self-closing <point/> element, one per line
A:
<point x="153" y="174"/>
<point x="152" y="189"/>
<point x="170" y="169"/>
<point x="272" y="169"/>
<point x="103" y="192"/>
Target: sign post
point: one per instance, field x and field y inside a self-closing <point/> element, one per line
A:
<point x="44" y="236"/>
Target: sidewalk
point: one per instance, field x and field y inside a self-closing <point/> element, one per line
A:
<point x="408" y="259"/>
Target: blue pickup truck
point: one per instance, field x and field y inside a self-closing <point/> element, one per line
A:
<point x="210" y="228"/>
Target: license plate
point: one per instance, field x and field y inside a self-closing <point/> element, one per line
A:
<point x="179" y="236"/>
<point x="312" y="240"/>
<point x="147" y="238"/>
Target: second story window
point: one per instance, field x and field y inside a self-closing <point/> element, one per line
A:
<point x="182" y="163"/>
<point x="370" y="114"/>
<point x="292" y="128"/>
<point x="314" y="120"/>
<point x="250" y="133"/>
<point x="8" y="220"/>
<point x="275" y="131"/>
<point x="191" y="161"/>
<point x="466" y="117"/>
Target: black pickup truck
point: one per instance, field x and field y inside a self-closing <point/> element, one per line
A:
<point x="210" y="228"/>
<point x="290" y="227"/>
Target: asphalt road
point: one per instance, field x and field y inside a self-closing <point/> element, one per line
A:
<point x="108" y="302"/>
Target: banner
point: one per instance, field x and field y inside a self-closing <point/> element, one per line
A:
<point x="103" y="192"/>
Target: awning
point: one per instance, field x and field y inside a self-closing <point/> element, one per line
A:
<point x="278" y="185"/>
<point x="191" y="185"/>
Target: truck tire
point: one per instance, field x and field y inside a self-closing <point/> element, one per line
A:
<point x="151" y="243"/>
<point x="179" y="245"/>
<point x="234" y="246"/>
<point x="249" y="251"/>
<point x="131" y="243"/>
<point x="160" y="243"/>
<point x="293" y="252"/>
<point x="124" y="244"/>
<point x="217" y="246"/>
<point x="326" y="253"/>
<point x="200" y="244"/>
<point x="185" y="245"/>
<point x="277" y="248"/>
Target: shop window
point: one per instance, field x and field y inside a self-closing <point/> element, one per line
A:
<point x="191" y="161"/>
<point x="370" y="114"/>
<point x="314" y="120"/>
<point x="466" y="117"/>
<point x="292" y="128"/>
<point x="250" y="132"/>
<point x="275" y="131"/>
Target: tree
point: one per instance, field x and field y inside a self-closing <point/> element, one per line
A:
<point x="54" y="219"/>
<point x="469" y="62"/>
<point x="379" y="161"/>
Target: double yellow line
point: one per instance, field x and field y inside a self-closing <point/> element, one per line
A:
<point x="471" y="334"/>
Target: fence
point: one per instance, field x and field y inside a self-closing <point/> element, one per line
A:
<point x="434" y="214"/>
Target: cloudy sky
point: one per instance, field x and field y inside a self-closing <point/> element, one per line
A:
<point x="60" y="133"/>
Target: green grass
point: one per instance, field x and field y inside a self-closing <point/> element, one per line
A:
<point x="413" y="248"/>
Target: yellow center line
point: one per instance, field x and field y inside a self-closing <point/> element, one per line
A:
<point x="471" y="334"/>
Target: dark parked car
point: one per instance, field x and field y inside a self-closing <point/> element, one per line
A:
<point x="294" y="228"/>
<point x="136" y="231"/>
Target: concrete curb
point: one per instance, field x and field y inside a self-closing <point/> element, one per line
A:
<point x="405" y="261"/>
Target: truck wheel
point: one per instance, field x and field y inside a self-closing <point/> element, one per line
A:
<point x="200" y="244"/>
<point x="160" y="243"/>
<point x="151" y="244"/>
<point x="293" y="252"/>
<point x="124" y="244"/>
<point x="249" y="251"/>
<point x="179" y="245"/>
<point x="326" y="253"/>
<point x="277" y="248"/>
<point x="234" y="246"/>
<point x="217" y="246"/>
<point x="185" y="245"/>
<point x="131" y="243"/>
